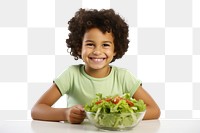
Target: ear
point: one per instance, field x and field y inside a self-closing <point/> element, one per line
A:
<point x="114" y="53"/>
<point x="79" y="53"/>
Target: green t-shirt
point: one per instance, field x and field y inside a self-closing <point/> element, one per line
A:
<point x="82" y="88"/>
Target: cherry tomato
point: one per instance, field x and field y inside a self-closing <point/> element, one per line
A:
<point x="116" y="99"/>
<point x="108" y="99"/>
<point x="98" y="102"/>
<point x="129" y="103"/>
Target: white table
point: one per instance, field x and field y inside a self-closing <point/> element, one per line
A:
<point x="148" y="126"/>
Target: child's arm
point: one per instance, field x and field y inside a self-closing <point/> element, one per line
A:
<point x="42" y="110"/>
<point x="152" y="109"/>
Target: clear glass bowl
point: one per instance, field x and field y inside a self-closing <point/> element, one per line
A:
<point x="115" y="121"/>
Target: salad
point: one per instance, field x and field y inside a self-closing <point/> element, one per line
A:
<point x="115" y="111"/>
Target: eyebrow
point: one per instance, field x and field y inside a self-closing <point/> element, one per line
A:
<point x="103" y="41"/>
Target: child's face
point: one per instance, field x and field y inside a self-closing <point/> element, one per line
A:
<point x="97" y="49"/>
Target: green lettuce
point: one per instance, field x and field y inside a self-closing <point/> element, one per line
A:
<point x="115" y="111"/>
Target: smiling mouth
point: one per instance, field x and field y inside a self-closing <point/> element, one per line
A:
<point x="97" y="59"/>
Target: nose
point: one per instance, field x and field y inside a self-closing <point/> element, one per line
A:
<point x="97" y="51"/>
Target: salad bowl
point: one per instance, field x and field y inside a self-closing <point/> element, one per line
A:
<point x="115" y="121"/>
<point x="115" y="112"/>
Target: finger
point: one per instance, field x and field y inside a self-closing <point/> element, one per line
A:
<point x="75" y="119"/>
<point x="78" y="118"/>
<point x="77" y="115"/>
<point x="78" y="110"/>
<point x="80" y="107"/>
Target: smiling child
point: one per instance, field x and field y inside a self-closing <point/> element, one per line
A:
<point x="98" y="38"/>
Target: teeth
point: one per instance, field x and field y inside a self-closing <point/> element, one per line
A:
<point x="97" y="60"/>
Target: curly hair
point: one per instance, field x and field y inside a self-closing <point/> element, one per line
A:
<point x="105" y="20"/>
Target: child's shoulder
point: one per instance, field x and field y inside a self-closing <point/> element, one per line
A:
<point x="72" y="69"/>
<point x="123" y="73"/>
<point x="75" y="67"/>
<point x="119" y="69"/>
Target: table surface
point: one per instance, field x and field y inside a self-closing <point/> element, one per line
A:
<point x="145" y="126"/>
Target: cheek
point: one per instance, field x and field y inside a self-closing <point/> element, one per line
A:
<point x="84" y="53"/>
<point x="110" y="53"/>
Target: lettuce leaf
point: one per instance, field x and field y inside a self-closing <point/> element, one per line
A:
<point x="123" y="110"/>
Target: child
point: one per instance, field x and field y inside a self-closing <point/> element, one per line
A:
<point x="98" y="38"/>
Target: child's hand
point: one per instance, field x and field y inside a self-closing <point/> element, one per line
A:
<point x="75" y="114"/>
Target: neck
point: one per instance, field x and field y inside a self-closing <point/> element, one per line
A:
<point x="98" y="73"/>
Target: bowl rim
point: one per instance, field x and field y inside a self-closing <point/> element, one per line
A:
<point x="95" y="123"/>
<point x="117" y="113"/>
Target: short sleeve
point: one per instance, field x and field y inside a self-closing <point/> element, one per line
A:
<point x="131" y="83"/>
<point x="63" y="81"/>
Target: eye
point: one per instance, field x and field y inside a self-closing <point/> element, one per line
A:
<point x="90" y="44"/>
<point x="106" y="45"/>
